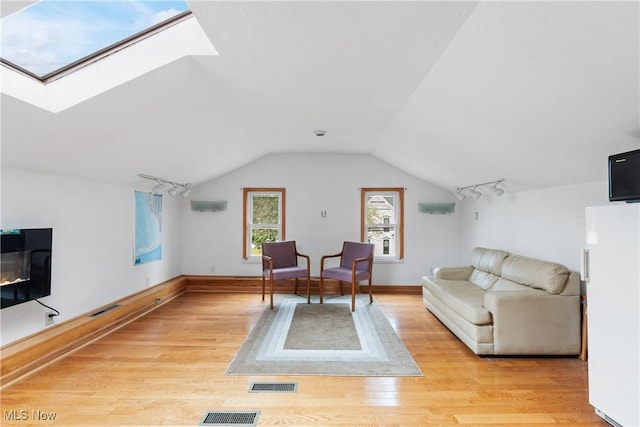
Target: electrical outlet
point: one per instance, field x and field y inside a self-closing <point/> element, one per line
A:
<point x="48" y="318"/>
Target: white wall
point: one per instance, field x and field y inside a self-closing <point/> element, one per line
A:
<point x="548" y="224"/>
<point x="92" y="254"/>
<point x="316" y="182"/>
<point x="93" y="227"/>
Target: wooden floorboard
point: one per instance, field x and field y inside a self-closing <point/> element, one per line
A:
<point x="167" y="368"/>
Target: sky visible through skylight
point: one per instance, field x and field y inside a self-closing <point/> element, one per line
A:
<point x="52" y="34"/>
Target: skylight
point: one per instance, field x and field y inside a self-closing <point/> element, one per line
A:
<point x="50" y="36"/>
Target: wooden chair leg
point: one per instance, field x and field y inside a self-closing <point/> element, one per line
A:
<point x="295" y="288"/>
<point x="308" y="289"/>
<point x="262" y="288"/>
<point x="271" y="292"/>
<point x="341" y="290"/>
<point x="370" y="293"/>
<point x="353" y="296"/>
<point x="320" y="285"/>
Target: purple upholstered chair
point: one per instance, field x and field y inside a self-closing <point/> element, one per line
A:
<point x="280" y="262"/>
<point x="356" y="263"/>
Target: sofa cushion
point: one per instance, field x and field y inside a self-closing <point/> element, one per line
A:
<point x="483" y="279"/>
<point x="453" y="273"/>
<point x="461" y="296"/>
<point x="487" y="266"/>
<point x="489" y="260"/>
<point x="547" y="276"/>
<point x="503" y="284"/>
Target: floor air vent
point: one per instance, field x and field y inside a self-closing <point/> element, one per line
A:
<point x="230" y="418"/>
<point x="98" y="313"/>
<point x="273" y="387"/>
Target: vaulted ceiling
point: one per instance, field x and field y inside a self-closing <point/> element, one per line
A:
<point x="456" y="93"/>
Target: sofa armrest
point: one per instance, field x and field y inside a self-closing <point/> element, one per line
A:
<point x="453" y="273"/>
<point x="529" y="323"/>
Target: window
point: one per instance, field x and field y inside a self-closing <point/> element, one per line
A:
<point x="382" y="221"/>
<point x="49" y="37"/>
<point x="264" y="219"/>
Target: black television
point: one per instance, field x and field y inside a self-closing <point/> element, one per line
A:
<point x="624" y="177"/>
<point x="25" y="272"/>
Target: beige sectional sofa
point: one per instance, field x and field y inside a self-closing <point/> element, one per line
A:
<point x="507" y="304"/>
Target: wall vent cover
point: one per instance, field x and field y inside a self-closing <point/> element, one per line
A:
<point x="273" y="387"/>
<point x="103" y="311"/>
<point x="230" y="418"/>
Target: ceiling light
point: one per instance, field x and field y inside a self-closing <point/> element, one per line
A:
<point x="497" y="191"/>
<point x="176" y="188"/>
<point x="476" y="194"/>
<point x="472" y="190"/>
<point x="158" y="188"/>
<point x="320" y="132"/>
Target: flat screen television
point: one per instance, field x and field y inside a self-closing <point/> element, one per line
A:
<point x="25" y="272"/>
<point x="624" y="177"/>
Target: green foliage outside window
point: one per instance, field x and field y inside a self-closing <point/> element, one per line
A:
<point x="265" y="212"/>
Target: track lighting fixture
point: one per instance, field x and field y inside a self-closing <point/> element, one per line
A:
<point x="186" y="191"/>
<point x="475" y="193"/>
<point x="472" y="190"/>
<point x="176" y="187"/>
<point x="495" y="190"/>
<point x="158" y="188"/>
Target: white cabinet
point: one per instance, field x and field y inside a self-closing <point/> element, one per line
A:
<point x="613" y="301"/>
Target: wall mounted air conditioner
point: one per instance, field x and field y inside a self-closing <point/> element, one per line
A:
<point x="208" y="206"/>
<point x="436" y="208"/>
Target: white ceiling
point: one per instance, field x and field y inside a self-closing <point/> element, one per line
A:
<point x="456" y="93"/>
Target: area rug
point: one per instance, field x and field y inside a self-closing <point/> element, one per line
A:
<point x="296" y="338"/>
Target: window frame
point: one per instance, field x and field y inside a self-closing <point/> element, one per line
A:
<point x="246" y="216"/>
<point x="104" y="52"/>
<point x="399" y="225"/>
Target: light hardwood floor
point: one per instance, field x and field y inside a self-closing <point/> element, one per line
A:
<point x="167" y="368"/>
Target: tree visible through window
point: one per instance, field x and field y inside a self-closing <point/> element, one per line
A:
<point x="263" y="219"/>
<point x="382" y="221"/>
